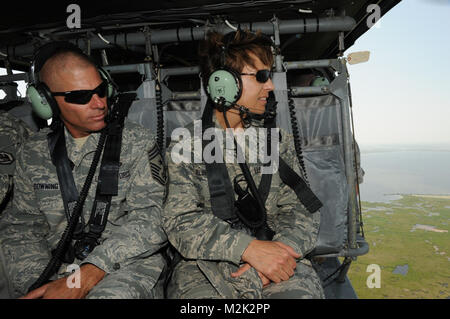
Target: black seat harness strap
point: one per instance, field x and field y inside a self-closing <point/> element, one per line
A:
<point x="108" y="178"/>
<point x="299" y="186"/>
<point x="220" y="189"/>
<point x="107" y="186"/>
<point x="58" y="151"/>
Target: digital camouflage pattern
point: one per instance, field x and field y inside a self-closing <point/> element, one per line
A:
<point x="13" y="132"/>
<point x="133" y="235"/>
<point x="212" y="250"/>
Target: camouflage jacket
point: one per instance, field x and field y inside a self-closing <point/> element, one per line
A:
<point x="33" y="226"/>
<point x="13" y="132"/>
<point x="198" y="234"/>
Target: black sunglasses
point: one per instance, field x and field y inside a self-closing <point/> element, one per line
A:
<point x="262" y="76"/>
<point x="83" y="96"/>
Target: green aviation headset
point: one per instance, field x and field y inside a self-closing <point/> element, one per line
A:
<point x="42" y="99"/>
<point x="224" y="87"/>
<point x="224" y="84"/>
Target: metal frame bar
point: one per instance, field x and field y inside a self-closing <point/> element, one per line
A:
<point x="14" y="77"/>
<point x="141" y="68"/>
<point x="326" y="24"/>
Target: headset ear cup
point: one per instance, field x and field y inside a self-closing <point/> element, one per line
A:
<point x="111" y="85"/>
<point x="224" y="87"/>
<point x="40" y="101"/>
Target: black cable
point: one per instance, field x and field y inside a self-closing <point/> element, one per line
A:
<point x="160" y="140"/>
<point x="296" y="134"/>
<point x="56" y="260"/>
<point x="339" y="269"/>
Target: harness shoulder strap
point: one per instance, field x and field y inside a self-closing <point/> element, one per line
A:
<point x="58" y="152"/>
<point x="220" y="189"/>
<point x="108" y="179"/>
<point x="301" y="189"/>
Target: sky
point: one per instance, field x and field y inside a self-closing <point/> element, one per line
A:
<point x="402" y="94"/>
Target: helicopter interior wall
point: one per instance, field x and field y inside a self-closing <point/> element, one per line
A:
<point x="319" y="132"/>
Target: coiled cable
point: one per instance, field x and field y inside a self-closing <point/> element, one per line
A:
<point x="160" y="139"/>
<point x="296" y="134"/>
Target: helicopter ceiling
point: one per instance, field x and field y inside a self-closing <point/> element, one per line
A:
<point x="23" y="28"/>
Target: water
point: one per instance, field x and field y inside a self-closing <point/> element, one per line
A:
<point x="388" y="174"/>
<point x="401" y="270"/>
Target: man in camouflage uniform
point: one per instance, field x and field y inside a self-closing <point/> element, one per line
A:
<point x="13" y="132"/>
<point x="127" y="262"/>
<point x="219" y="260"/>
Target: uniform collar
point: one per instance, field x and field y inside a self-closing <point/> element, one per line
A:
<point x="76" y="155"/>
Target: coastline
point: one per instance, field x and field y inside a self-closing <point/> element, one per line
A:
<point x="402" y="195"/>
<point x="432" y="196"/>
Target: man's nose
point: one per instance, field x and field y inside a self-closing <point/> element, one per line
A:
<point x="97" y="101"/>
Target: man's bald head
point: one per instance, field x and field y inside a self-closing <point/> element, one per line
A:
<point x="61" y="63"/>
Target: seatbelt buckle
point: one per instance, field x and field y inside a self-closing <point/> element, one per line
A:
<point x="98" y="221"/>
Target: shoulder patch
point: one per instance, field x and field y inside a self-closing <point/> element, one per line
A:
<point x="157" y="166"/>
<point x="6" y="158"/>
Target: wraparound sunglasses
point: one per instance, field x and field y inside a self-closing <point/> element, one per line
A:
<point x="83" y="96"/>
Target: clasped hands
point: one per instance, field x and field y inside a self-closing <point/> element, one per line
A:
<point x="273" y="260"/>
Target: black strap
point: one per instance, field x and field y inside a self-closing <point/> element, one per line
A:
<point x="58" y="152"/>
<point x="220" y="189"/>
<point x="301" y="189"/>
<point x="266" y="179"/>
<point x="108" y="179"/>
